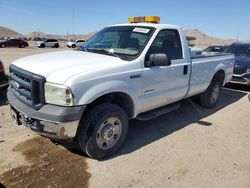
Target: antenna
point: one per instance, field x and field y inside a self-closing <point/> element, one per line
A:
<point x="74" y="21"/>
<point x="237" y="38"/>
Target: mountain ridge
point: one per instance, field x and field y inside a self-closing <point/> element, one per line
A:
<point x="202" y="39"/>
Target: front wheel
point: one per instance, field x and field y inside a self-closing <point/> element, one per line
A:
<point x="3" y="45"/>
<point x="211" y="96"/>
<point x="103" y="130"/>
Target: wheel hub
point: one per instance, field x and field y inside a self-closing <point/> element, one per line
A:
<point x="215" y="93"/>
<point x="108" y="133"/>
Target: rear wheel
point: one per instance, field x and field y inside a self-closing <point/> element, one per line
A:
<point x="73" y="45"/>
<point x="21" y="46"/>
<point x="42" y="45"/>
<point x="3" y="45"/>
<point x="211" y="96"/>
<point x="103" y="130"/>
<point x="56" y="45"/>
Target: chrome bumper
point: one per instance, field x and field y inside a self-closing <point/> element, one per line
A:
<point x="55" y="130"/>
<point x="52" y="121"/>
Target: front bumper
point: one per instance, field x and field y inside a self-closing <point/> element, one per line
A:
<point x="52" y="121"/>
<point x="241" y="79"/>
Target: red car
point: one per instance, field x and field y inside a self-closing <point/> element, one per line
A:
<point x="4" y="79"/>
<point x="13" y="43"/>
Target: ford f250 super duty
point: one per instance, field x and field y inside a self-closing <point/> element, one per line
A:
<point x="136" y="70"/>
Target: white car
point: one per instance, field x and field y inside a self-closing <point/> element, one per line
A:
<point x="48" y="43"/>
<point x="77" y="43"/>
<point x="127" y="71"/>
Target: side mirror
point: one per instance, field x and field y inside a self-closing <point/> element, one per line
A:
<point x="158" y="60"/>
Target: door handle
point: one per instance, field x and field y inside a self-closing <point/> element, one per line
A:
<point x="185" y="69"/>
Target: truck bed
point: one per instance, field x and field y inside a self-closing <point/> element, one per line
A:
<point x="203" y="68"/>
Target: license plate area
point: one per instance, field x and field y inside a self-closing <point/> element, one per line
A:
<point x="16" y="116"/>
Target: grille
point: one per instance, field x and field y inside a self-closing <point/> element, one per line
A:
<point x="239" y="70"/>
<point x="27" y="87"/>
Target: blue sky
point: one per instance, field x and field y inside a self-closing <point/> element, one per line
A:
<point x="220" y="18"/>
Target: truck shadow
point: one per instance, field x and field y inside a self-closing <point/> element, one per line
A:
<point x="142" y="133"/>
<point x="238" y="87"/>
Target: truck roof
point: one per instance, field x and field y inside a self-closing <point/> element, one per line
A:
<point x="155" y="25"/>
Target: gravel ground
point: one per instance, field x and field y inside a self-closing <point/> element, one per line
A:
<point x="191" y="147"/>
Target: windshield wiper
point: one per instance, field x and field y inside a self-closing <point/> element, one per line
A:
<point x="102" y="51"/>
<point x="82" y="48"/>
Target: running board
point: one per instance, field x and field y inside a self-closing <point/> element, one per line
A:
<point x="158" y="112"/>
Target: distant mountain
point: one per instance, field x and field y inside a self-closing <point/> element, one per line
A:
<point x="203" y="40"/>
<point x="6" y="32"/>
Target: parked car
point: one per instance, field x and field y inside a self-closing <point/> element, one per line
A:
<point x="195" y="52"/>
<point x="48" y="43"/>
<point x="215" y="49"/>
<point x="125" y="71"/>
<point x="13" y="43"/>
<point x="77" y="43"/>
<point x="241" y="72"/>
<point x="4" y="78"/>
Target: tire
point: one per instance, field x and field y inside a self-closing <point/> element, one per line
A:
<point x="73" y="45"/>
<point x="211" y="96"/>
<point x="3" y="45"/>
<point x="96" y="132"/>
<point x="21" y="46"/>
<point x="42" y="45"/>
<point x="56" y="45"/>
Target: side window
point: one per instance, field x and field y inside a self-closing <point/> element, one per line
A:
<point x="167" y="42"/>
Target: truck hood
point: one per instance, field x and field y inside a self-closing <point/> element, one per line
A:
<point x="242" y="61"/>
<point x="59" y="66"/>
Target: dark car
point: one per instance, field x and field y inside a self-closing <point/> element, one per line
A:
<point x="217" y="49"/>
<point x="13" y="43"/>
<point x="4" y="79"/>
<point x="241" y="72"/>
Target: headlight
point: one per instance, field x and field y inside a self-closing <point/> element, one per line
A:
<point x="58" y="94"/>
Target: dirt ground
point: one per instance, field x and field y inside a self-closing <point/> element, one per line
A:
<point x="191" y="147"/>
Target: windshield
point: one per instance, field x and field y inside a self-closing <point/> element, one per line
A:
<point x="239" y="50"/>
<point x="125" y="42"/>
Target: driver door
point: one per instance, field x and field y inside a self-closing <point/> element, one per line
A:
<point x="165" y="84"/>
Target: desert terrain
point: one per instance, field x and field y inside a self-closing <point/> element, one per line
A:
<point x="190" y="147"/>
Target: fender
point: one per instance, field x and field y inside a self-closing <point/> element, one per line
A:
<point x="107" y="87"/>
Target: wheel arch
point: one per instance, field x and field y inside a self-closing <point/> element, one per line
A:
<point x="118" y="98"/>
<point x="220" y="76"/>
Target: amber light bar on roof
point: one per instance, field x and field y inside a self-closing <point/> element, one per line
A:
<point x="151" y="19"/>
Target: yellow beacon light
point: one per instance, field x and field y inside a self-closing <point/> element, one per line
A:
<point x="150" y="19"/>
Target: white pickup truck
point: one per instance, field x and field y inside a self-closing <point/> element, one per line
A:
<point x="127" y="71"/>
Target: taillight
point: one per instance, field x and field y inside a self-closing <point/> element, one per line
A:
<point x="1" y="67"/>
